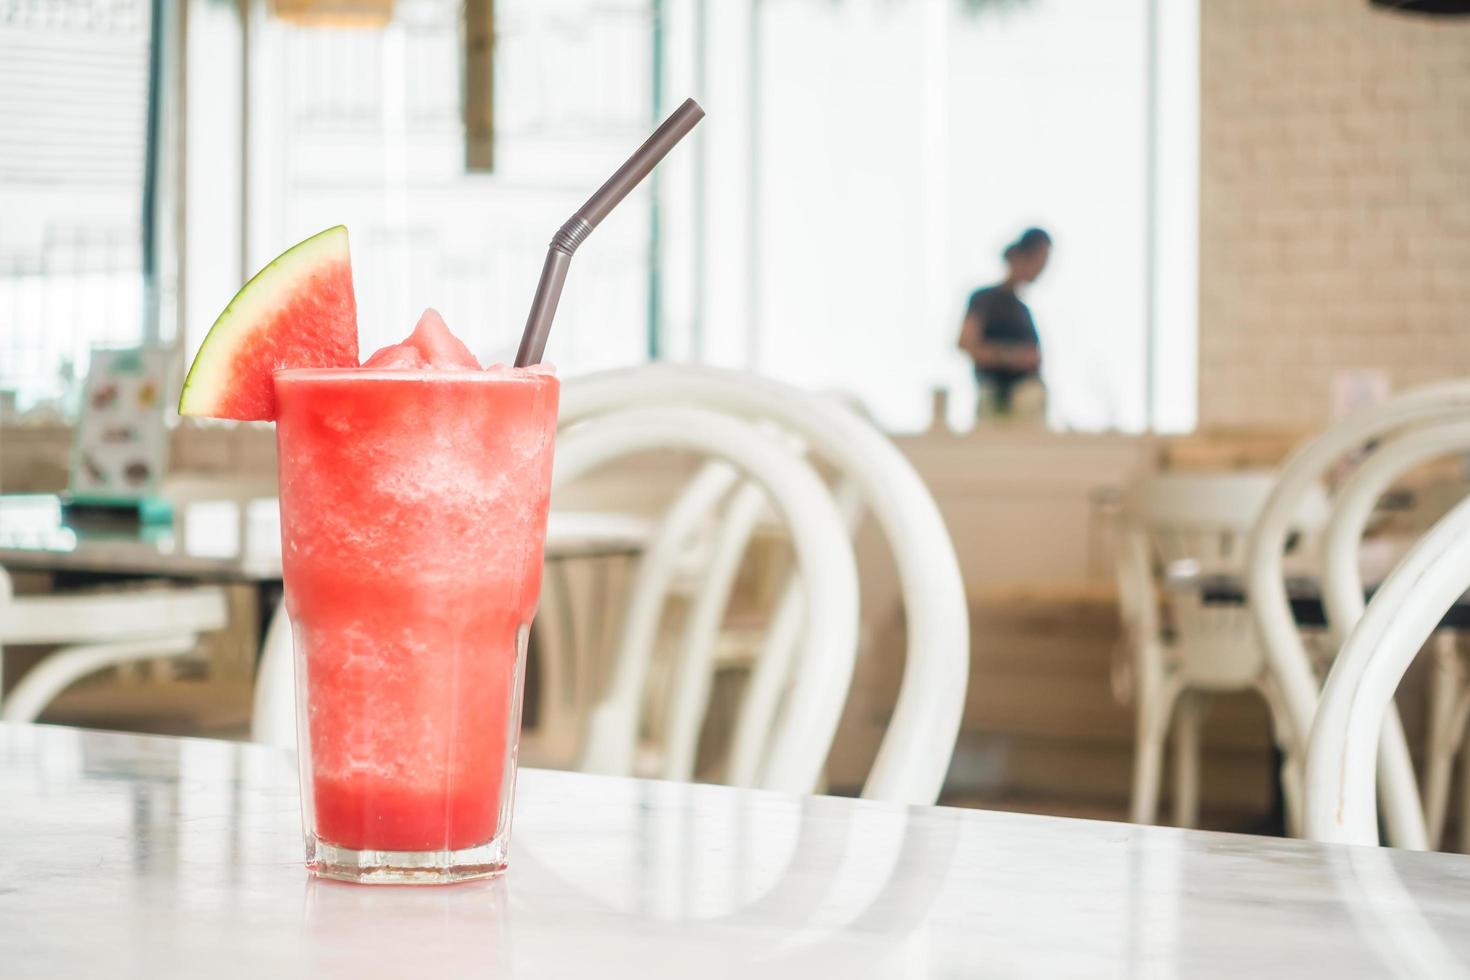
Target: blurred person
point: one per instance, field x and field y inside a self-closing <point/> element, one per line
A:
<point x="998" y="332"/>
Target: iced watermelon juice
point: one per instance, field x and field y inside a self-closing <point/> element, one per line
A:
<point x="414" y="497"/>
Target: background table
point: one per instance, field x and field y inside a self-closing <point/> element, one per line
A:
<point x="228" y="539"/>
<point x="128" y="855"/>
<point x="1303" y="593"/>
<point x="236" y="541"/>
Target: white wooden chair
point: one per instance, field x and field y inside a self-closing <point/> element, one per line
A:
<point x="98" y="630"/>
<point x="694" y="558"/>
<point x="1357" y="698"/>
<point x="872" y="475"/>
<point x="1286" y="653"/>
<point x="1196" y="522"/>
<point x="799" y="746"/>
<point x="692" y="555"/>
<point x="1343" y="598"/>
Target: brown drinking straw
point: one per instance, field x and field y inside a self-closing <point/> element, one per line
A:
<point x="580" y="225"/>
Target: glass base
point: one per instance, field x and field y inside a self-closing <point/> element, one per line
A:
<point x="405" y="867"/>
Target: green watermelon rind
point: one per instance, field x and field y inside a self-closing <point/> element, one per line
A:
<point x="277" y="281"/>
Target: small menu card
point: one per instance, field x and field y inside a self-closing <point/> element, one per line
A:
<point x="121" y="444"/>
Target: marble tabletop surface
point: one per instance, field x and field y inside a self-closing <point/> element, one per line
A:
<point x="137" y="856"/>
<point x="229" y="539"/>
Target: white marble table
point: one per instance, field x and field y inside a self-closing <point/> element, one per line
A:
<point x="134" y="856"/>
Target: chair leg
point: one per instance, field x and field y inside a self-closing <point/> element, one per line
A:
<point x="1438" y="768"/>
<point x="1465" y="803"/>
<point x="1188" y="718"/>
<point x="1291" y="793"/>
<point x="1290" y="776"/>
<point x="1453" y="735"/>
<point x="1148" y="760"/>
<point x="1399" y="800"/>
<point x="1445" y="684"/>
<point x="273" y="717"/>
<point x="1155" y="706"/>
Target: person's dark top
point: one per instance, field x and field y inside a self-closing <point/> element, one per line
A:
<point x="1003" y="319"/>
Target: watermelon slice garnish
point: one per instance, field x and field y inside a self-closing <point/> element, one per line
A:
<point x="297" y="312"/>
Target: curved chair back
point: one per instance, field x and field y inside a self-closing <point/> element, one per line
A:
<point x="1357" y="697"/>
<point x="1343" y="592"/>
<point x="1286" y="654"/>
<point x="824" y="556"/>
<point x="1342" y="580"/>
<point x="915" y="752"/>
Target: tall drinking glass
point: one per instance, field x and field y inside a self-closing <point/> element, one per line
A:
<point x="413" y="520"/>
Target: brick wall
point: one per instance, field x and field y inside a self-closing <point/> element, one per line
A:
<point x="1334" y="203"/>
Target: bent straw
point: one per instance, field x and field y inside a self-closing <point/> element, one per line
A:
<point x="576" y="229"/>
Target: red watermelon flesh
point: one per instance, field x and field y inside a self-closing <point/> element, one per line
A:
<point x="297" y="312"/>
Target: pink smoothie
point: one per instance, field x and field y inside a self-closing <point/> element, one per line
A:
<point x="414" y="496"/>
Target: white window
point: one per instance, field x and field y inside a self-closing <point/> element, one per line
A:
<point x="364" y="128"/>
<point x="73" y="105"/>
<point x="868" y="160"/>
<point x="861" y="167"/>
